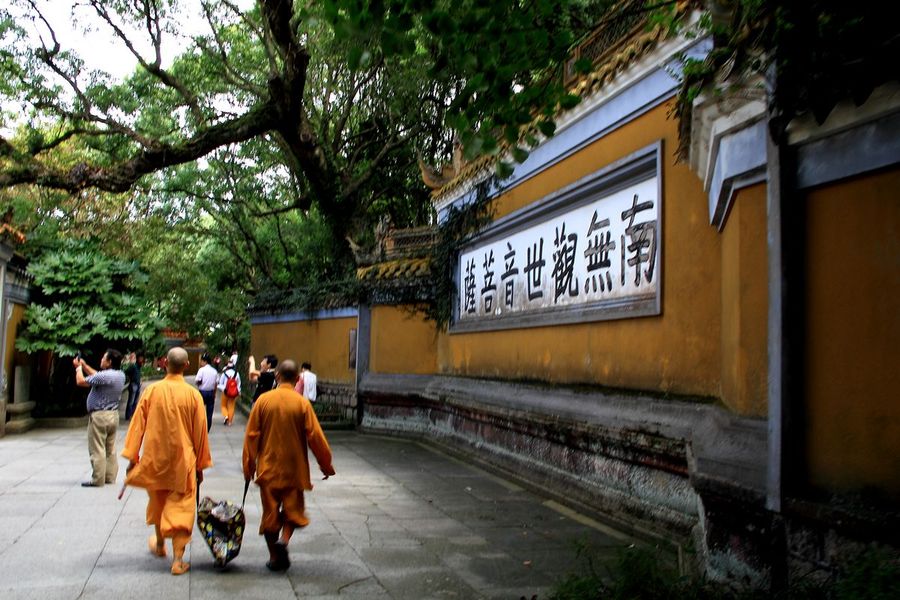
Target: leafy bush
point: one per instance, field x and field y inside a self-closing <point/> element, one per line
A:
<point x="644" y="574"/>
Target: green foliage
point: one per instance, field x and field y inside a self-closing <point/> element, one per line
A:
<point x="85" y="297"/>
<point x="373" y="87"/>
<point x="873" y="575"/>
<point x="639" y="573"/>
<point x="459" y="224"/>
<point x="326" y="294"/>
<point x="820" y="52"/>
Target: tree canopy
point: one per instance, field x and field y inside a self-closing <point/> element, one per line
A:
<point x="85" y="300"/>
<point x="318" y="105"/>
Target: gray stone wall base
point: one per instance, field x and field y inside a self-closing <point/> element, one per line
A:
<point x="648" y="465"/>
<point x="339" y="398"/>
<point x="61" y="422"/>
<point x="20" y="419"/>
<point x="20" y="425"/>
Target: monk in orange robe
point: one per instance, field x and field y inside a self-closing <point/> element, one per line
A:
<point x="281" y="425"/>
<point x="170" y="423"/>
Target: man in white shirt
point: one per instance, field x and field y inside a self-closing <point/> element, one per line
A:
<point x="306" y="386"/>
<point x="205" y="380"/>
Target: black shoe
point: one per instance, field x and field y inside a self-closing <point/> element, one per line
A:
<point x="277" y="566"/>
<point x="282" y="553"/>
<point x="281" y="562"/>
<point x="90" y="484"/>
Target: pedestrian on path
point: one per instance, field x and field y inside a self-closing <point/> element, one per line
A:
<point x="281" y="428"/>
<point x="169" y="423"/>
<point x="206" y="382"/>
<point x="103" y="413"/>
<point x="306" y="385"/>
<point x="230" y="384"/>
<point x="133" y="372"/>
<point x="264" y="376"/>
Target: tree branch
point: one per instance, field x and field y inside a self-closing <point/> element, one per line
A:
<point x="228" y="71"/>
<point x="300" y="203"/>
<point x="350" y="189"/>
<point x="120" y="177"/>
<point x="151" y="16"/>
<point x="351" y="99"/>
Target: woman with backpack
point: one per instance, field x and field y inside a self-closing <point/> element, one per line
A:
<point x="230" y="384"/>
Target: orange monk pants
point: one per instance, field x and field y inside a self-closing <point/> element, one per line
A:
<point x="280" y="506"/>
<point x="173" y="512"/>
<point x="228" y="403"/>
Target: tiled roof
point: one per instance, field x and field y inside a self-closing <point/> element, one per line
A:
<point x="398" y="270"/>
<point x="592" y="83"/>
<point x="8" y="232"/>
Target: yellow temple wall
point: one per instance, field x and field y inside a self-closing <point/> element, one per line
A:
<point x="403" y="341"/>
<point x="325" y="343"/>
<point x="679" y="351"/>
<point x="852" y="370"/>
<point x="745" y="304"/>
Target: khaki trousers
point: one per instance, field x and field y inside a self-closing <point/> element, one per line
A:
<point x="228" y="403"/>
<point x="102" y="445"/>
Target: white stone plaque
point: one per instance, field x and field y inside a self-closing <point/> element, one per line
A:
<point x="599" y="251"/>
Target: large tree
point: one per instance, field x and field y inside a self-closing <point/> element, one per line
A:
<point x="341" y="94"/>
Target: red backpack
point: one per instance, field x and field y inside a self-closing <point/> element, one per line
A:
<point x="231" y="387"/>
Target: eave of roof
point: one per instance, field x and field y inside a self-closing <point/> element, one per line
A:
<point x="400" y="269"/>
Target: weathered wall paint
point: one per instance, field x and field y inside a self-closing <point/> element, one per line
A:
<point x="745" y="304"/>
<point x="324" y="343"/>
<point x="678" y="351"/>
<point x="852" y="371"/>
<point x="402" y="341"/>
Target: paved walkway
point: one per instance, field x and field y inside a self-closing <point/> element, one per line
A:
<point x="399" y="520"/>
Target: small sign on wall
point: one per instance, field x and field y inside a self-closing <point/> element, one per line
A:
<point x="591" y="251"/>
<point x="351" y="362"/>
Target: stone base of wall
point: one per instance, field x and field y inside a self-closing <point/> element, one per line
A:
<point x="20" y="419"/>
<point x="337" y="398"/>
<point x="691" y="474"/>
<point x="653" y="467"/>
<point x="62" y="422"/>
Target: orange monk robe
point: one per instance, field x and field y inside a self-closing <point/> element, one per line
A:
<point x="170" y="424"/>
<point x="282" y="424"/>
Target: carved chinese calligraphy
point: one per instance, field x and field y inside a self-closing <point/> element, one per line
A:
<point x="590" y="256"/>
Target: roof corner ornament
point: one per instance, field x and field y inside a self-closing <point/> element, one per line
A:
<point x="436" y="178"/>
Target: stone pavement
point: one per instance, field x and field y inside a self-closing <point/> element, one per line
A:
<point x="399" y="520"/>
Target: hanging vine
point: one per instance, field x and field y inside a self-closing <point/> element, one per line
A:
<point x="460" y="224"/>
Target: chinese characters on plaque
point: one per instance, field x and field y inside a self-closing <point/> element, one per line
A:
<point x="604" y="251"/>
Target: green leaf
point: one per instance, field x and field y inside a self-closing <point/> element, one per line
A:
<point x="356" y="57"/>
<point x="569" y="101"/>
<point x="548" y="128"/>
<point x="503" y="169"/>
<point x="519" y="154"/>
<point x="583" y="66"/>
